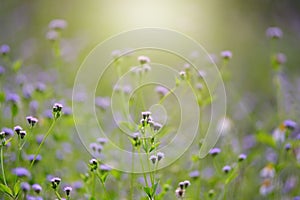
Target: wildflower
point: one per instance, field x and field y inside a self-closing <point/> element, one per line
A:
<point x="266" y="187"/>
<point x="127" y="89"/>
<point x="279" y="133"/>
<point x="186" y="183"/>
<point x="160" y="156"/>
<point x="274" y="33"/>
<point x="182" y="75"/>
<point x="22" y="134"/>
<point x="102" y="141"/>
<point x="290" y="124"/>
<point x="40" y="87"/>
<point x="143" y="59"/>
<point x="77" y="185"/>
<point x="37" y="188"/>
<point x="146" y="114"/>
<point x="93" y="164"/>
<point x="25" y="186"/>
<point x="56" y="110"/>
<point x="52" y="35"/>
<point x="30" y="158"/>
<point x="288" y="147"/>
<point x="194" y="174"/>
<point x="226" y="55"/>
<point x="226" y="169"/>
<point x="179" y="193"/>
<point x="34" y="105"/>
<point x="201" y="74"/>
<point x="280" y="58"/>
<point x="93" y="146"/>
<point x="55" y="182"/>
<point x="102" y="102"/>
<point x="13" y="98"/>
<point x="268" y="171"/>
<point x="146" y="68"/>
<point x="162" y="91"/>
<point x="4" y="49"/>
<point x="153" y="159"/>
<point x="8" y="132"/>
<point x="214" y="151"/>
<point x="105" y="168"/>
<point x="2" y="70"/>
<point x="58" y="24"/>
<point x="39" y="138"/>
<point x="21" y="172"/>
<point x="68" y="190"/>
<point x="242" y="157"/>
<point x="116" y="53"/>
<point x="31" y="120"/>
<point x="136" y="139"/>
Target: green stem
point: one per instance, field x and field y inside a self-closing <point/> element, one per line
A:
<point x="94" y="185"/>
<point x="132" y="174"/>
<point x="43" y="141"/>
<point x="2" y="166"/>
<point x="57" y="195"/>
<point x="144" y="175"/>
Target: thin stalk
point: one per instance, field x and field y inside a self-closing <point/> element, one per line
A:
<point x="43" y="141"/>
<point x="132" y="175"/>
<point x="2" y="166"/>
<point x="57" y="195"/>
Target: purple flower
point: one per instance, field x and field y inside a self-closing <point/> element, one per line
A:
<point x="58" y="24"/>
<point x="31" y="158"/>
<point x="68" y="190"/>
<point x="52" y="35"/>
<point x="153" y="159"/>
<point x="37" y="188"/>
<point x="8" y="132"/>
<point x="4" y="49"/>
<point x="13" y="98"/>
<point x="2" y="70"/>
<point x="290" y="124"/>
<point x="226" y="169"/>
<point x="105" y="168"/>
<point x="242" y="157"/>
<point x="194" y="174"/>
<point x="274" y="32"/>
<point x="31" y="120"/>
<point x="77" y="185"/>
<point x="25" y="186"/>
<point x="214" y="151"/>
<point x="33" y="105"/>
<point x="162" y="91"/>
<point x="226" y="54"/>
<point x="102" y="141"/>
<point x="40" y="87"/>
<point x="102" y="102"/>
<point x="21" y="172"/>
<point x="143" y="59"/>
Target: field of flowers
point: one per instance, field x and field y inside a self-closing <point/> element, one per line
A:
<point x="94" y="104"/>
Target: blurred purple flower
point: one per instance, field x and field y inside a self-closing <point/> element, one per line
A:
<point x="274" y="32"/>
<point x="37" y="188"/>
<point x="58" y="24"/>
<point x="21" y="172"/>
<point x="102" y="102"/>
<point x="12" y="97"/>
<point x="33" y="106"/>
<point x="4" y="49"/>
<point x="25" y="186"/>
<point x="8" y="132"/>
<point x="214" y="151"/>
<point x="2" y="70"/>
<point x="194" y="174"/>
